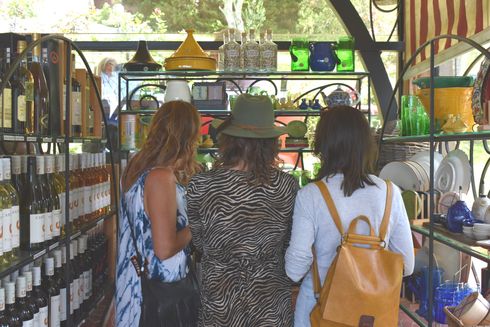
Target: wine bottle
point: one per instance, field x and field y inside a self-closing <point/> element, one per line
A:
<point x="88" y="260"/>
<point x="71" y="281"/>
<point x="32" y="215"/>
<point x="74" y="191"/>
<point x="17" y="182"/>
<point x="76" y="279"/>
<point x="51" y="286"/>
<point x="84" y="269"/>
<point x="31" y="301"/>
<point x="59" y="273"/>
<point x="81" y="165"/>
<point x="14" y="210"/>
<point x="4" y="321"/>
<point x="12" y="312"/>
<point x="81" y="279"/>
<point x="76" y="103"/>
<point x="107" y="184"/>
<point x="25" y="312"/>
<point x="6" y="97"/>
<point x="22" y="84"/>
<point x="55" y="200"/>
<point x="59" y="184"/>
<point x="40" y="296"/>
<point x="40" y="114"/>
<point x="47" y="202"/>
<point x="60" y="282"/>
<point x="5" y="216"/>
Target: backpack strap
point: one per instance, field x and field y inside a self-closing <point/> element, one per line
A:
<point x="386" y="217"/>
<point x="336" y="218"/>
<point x="331" y="206"/>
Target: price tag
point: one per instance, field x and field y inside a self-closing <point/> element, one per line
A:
<point x="19" y="138"/>
<point x="47" y="139"/>
<point x="60" y="140"/>
<point x="54" y="246"/>
<point x="31" y="139"/>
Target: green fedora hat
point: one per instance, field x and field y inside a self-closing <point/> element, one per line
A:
<point x="252" y="116"/>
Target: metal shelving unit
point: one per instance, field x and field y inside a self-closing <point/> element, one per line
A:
<point x="63" y="142"/>
<point x="433" y="139"/>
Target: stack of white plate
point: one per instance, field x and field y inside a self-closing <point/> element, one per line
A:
<point x="481" y="231"/>
<point x="451" y="174"/>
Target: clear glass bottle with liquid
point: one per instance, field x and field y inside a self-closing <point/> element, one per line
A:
<point x="55" y="201"/>
<point x="221" y="51"/>
<point x="22" y="84"/>
<point x="232" y="53"/>
<point x="268" y="53"/>
<point x="251" y="53"/>
<point x="40" y="115"/>
<point x="6" y="218"/>
<point x="48" y="201"/>
<point x="6" y="96"/>
<point x="14" y="209"/>
<point x="59" y="184"/>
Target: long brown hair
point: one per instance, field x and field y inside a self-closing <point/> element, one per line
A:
<point x="258" y="155"/>
<point x="344" y="144"/>
<point x="172" y="141"/>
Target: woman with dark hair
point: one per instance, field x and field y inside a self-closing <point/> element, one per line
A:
<point x="153" y="210"/>
<point x="240" y="216"/>
<point x="346" y="148"/>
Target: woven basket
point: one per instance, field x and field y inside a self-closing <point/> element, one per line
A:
<point x="397" y="151"/>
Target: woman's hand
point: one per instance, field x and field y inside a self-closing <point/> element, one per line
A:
<point x="161" y="207"/>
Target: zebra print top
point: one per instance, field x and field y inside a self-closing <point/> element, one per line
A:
<point x="242" y="231"/>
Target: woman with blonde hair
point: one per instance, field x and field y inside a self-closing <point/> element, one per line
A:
<point x="153" y="214"/>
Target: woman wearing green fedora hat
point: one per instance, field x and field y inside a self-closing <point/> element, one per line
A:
<point x="240" y="218"/>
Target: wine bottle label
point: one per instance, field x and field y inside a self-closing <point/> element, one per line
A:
<point x="28" y="323"/>
<point x="6" y="103"/>
<point x="76" y="118"/>
<point x="76" y="300"/>
<point x="81" y="288"/>
<point x="86" y="281"/>
<point x="16" y="161"/>
<point x="48" y="226"/>
<point x="76" y="202"/>
<point x="39" y="165"/>
<point x="43" y="316"/>
<point x="6" y="216"/>
<point x="91" y="199"/>
<point x="21" y="108"/>
<point x="36" y="228"/>
<point x="72" y="297"/>
<point x="56" y="223"/>
<point x="87" y="202"/>
<point x="81" y="203"/>
<point x="90" y="282"/>
<point x="71" y="209"/>
<point x="62" y="198"/>
<point x="9" y="292"/>
<point x="37" y="321"/>
<point x="54" y="311"/>
<point x="63" y="304"/>
<point x="15" y="224"/>
<point x="28" y="276"/>
<point x="49" y="266"/>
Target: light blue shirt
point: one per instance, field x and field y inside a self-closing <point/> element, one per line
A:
<point x="313" y="225"/>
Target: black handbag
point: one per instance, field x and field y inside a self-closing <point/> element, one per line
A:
<point x="174" y="304"/>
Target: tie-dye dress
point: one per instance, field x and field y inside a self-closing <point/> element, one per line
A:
<point x="128" y="285"/>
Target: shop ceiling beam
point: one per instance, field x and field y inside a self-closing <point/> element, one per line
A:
<point x="370" y="54"/>
<point x="113" y="46"/>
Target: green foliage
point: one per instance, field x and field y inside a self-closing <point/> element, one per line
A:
<point x="20" y="8"/>
<point x="254" y="14"/>
<point x="282" y="16"/>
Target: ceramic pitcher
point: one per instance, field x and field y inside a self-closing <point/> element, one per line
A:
<point x="322" y="56"/>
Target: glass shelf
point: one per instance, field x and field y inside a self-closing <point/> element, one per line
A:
<point x="286" y="150"/>
<point x="244" y="75"/>
<point x="43" y="139"/>
<point x="456" y="241"/>
<point x="26" y="257"/>
<point x="440" y="137"/>
<point x="293" y="113"/>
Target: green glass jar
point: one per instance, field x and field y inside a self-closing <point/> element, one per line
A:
<point x="300" y="52"/>
<point x="345" y="53"/>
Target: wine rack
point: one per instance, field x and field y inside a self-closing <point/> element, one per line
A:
<point x="58" y="142"/>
